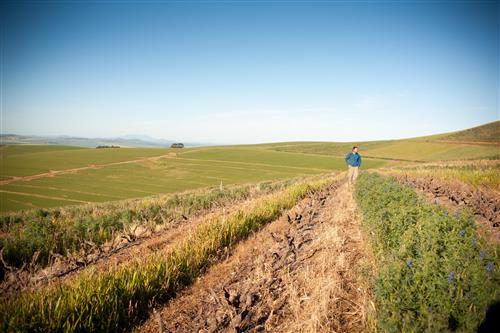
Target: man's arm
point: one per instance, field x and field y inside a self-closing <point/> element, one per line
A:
<point x="359" y="160"/>
<point x="347" y="158"/>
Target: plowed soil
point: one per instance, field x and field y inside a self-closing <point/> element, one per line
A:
<point x="298" y="274"/>
<point x="483" y="202"/>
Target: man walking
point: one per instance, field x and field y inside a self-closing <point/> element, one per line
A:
<point x="353" y="160"/>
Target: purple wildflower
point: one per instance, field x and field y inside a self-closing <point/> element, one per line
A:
<point x="409" y="263"/>
<point x="489" y="267"/>
<point x="482" y="255"/>
<point x="446" y="213"/>
<point x="462" y="233"/>
<point x="451" y="276"/>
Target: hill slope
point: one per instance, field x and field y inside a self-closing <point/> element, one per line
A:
<point x="485" y="133"/>
<point x="482" y="142"/>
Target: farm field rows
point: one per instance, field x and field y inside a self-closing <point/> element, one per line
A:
<point x="394" y="221"/>
<point x="39" y="236"/>
<point x="50" y="176"/>
<point x="258" y="237"/>
<point x="96" y="300"/>
<point x="145" y="175"/>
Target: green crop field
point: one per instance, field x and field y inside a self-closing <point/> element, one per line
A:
<point x="78" y="175"/>
<point x="105" y="180"/>
<point x="25" y="160"/>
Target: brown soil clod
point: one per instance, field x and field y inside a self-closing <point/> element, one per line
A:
<point x="274" y="281"/>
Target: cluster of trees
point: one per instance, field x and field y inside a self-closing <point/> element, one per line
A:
<point x="100" y="147"/>
<point x="177" y="145"/>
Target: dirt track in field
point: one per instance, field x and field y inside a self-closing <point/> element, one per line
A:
<point x="298" y="274"/>
<point x="54" y="173"/>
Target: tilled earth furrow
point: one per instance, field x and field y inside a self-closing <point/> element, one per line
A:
<point x="251" y="290"/>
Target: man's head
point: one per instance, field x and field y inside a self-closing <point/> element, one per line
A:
<point x="355" y="149"/>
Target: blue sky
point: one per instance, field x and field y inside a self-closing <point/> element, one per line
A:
<point x="243" y="72"/>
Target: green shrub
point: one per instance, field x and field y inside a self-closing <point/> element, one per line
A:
<point x="433" y="272"/>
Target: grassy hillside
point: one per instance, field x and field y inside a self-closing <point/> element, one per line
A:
<point x="481" y="142"/>
<point x="485" y="133"/>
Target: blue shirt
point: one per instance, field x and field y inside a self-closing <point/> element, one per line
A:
<point x="353" y="159"/>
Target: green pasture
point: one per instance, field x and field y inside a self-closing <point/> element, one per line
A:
<point x="26" y="160"/>
<point x="192" y="168"/>
<point x="207" y="166"/>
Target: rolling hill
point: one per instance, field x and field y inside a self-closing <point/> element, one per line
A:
<point x="482" y="142"/>
<point x="129" y="141"/>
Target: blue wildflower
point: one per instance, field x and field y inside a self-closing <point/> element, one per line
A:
<point x="451" y="276"/>
<point x="471" y="221"/>
<point x="446" y="213"/>
<point x="462" y="233"/>
<point x="482" y="255"/>
<point x="409" y="263"/>
<point x="489" y="267"/>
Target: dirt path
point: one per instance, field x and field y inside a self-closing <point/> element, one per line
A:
<point x="53" y="173"/>
<point x="299" y="274"/>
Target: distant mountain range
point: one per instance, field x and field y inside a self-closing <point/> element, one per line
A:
<point x="131" y="140"/>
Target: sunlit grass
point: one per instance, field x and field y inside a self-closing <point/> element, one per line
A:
<point x="112" y="300"/>
<point x="476" y="173"/>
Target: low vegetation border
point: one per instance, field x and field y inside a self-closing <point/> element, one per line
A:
<point x="434" y="272"/>
<point x="35" y="237"/>
<point x="112" y="300"/>
<point x="480" y="173"/>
